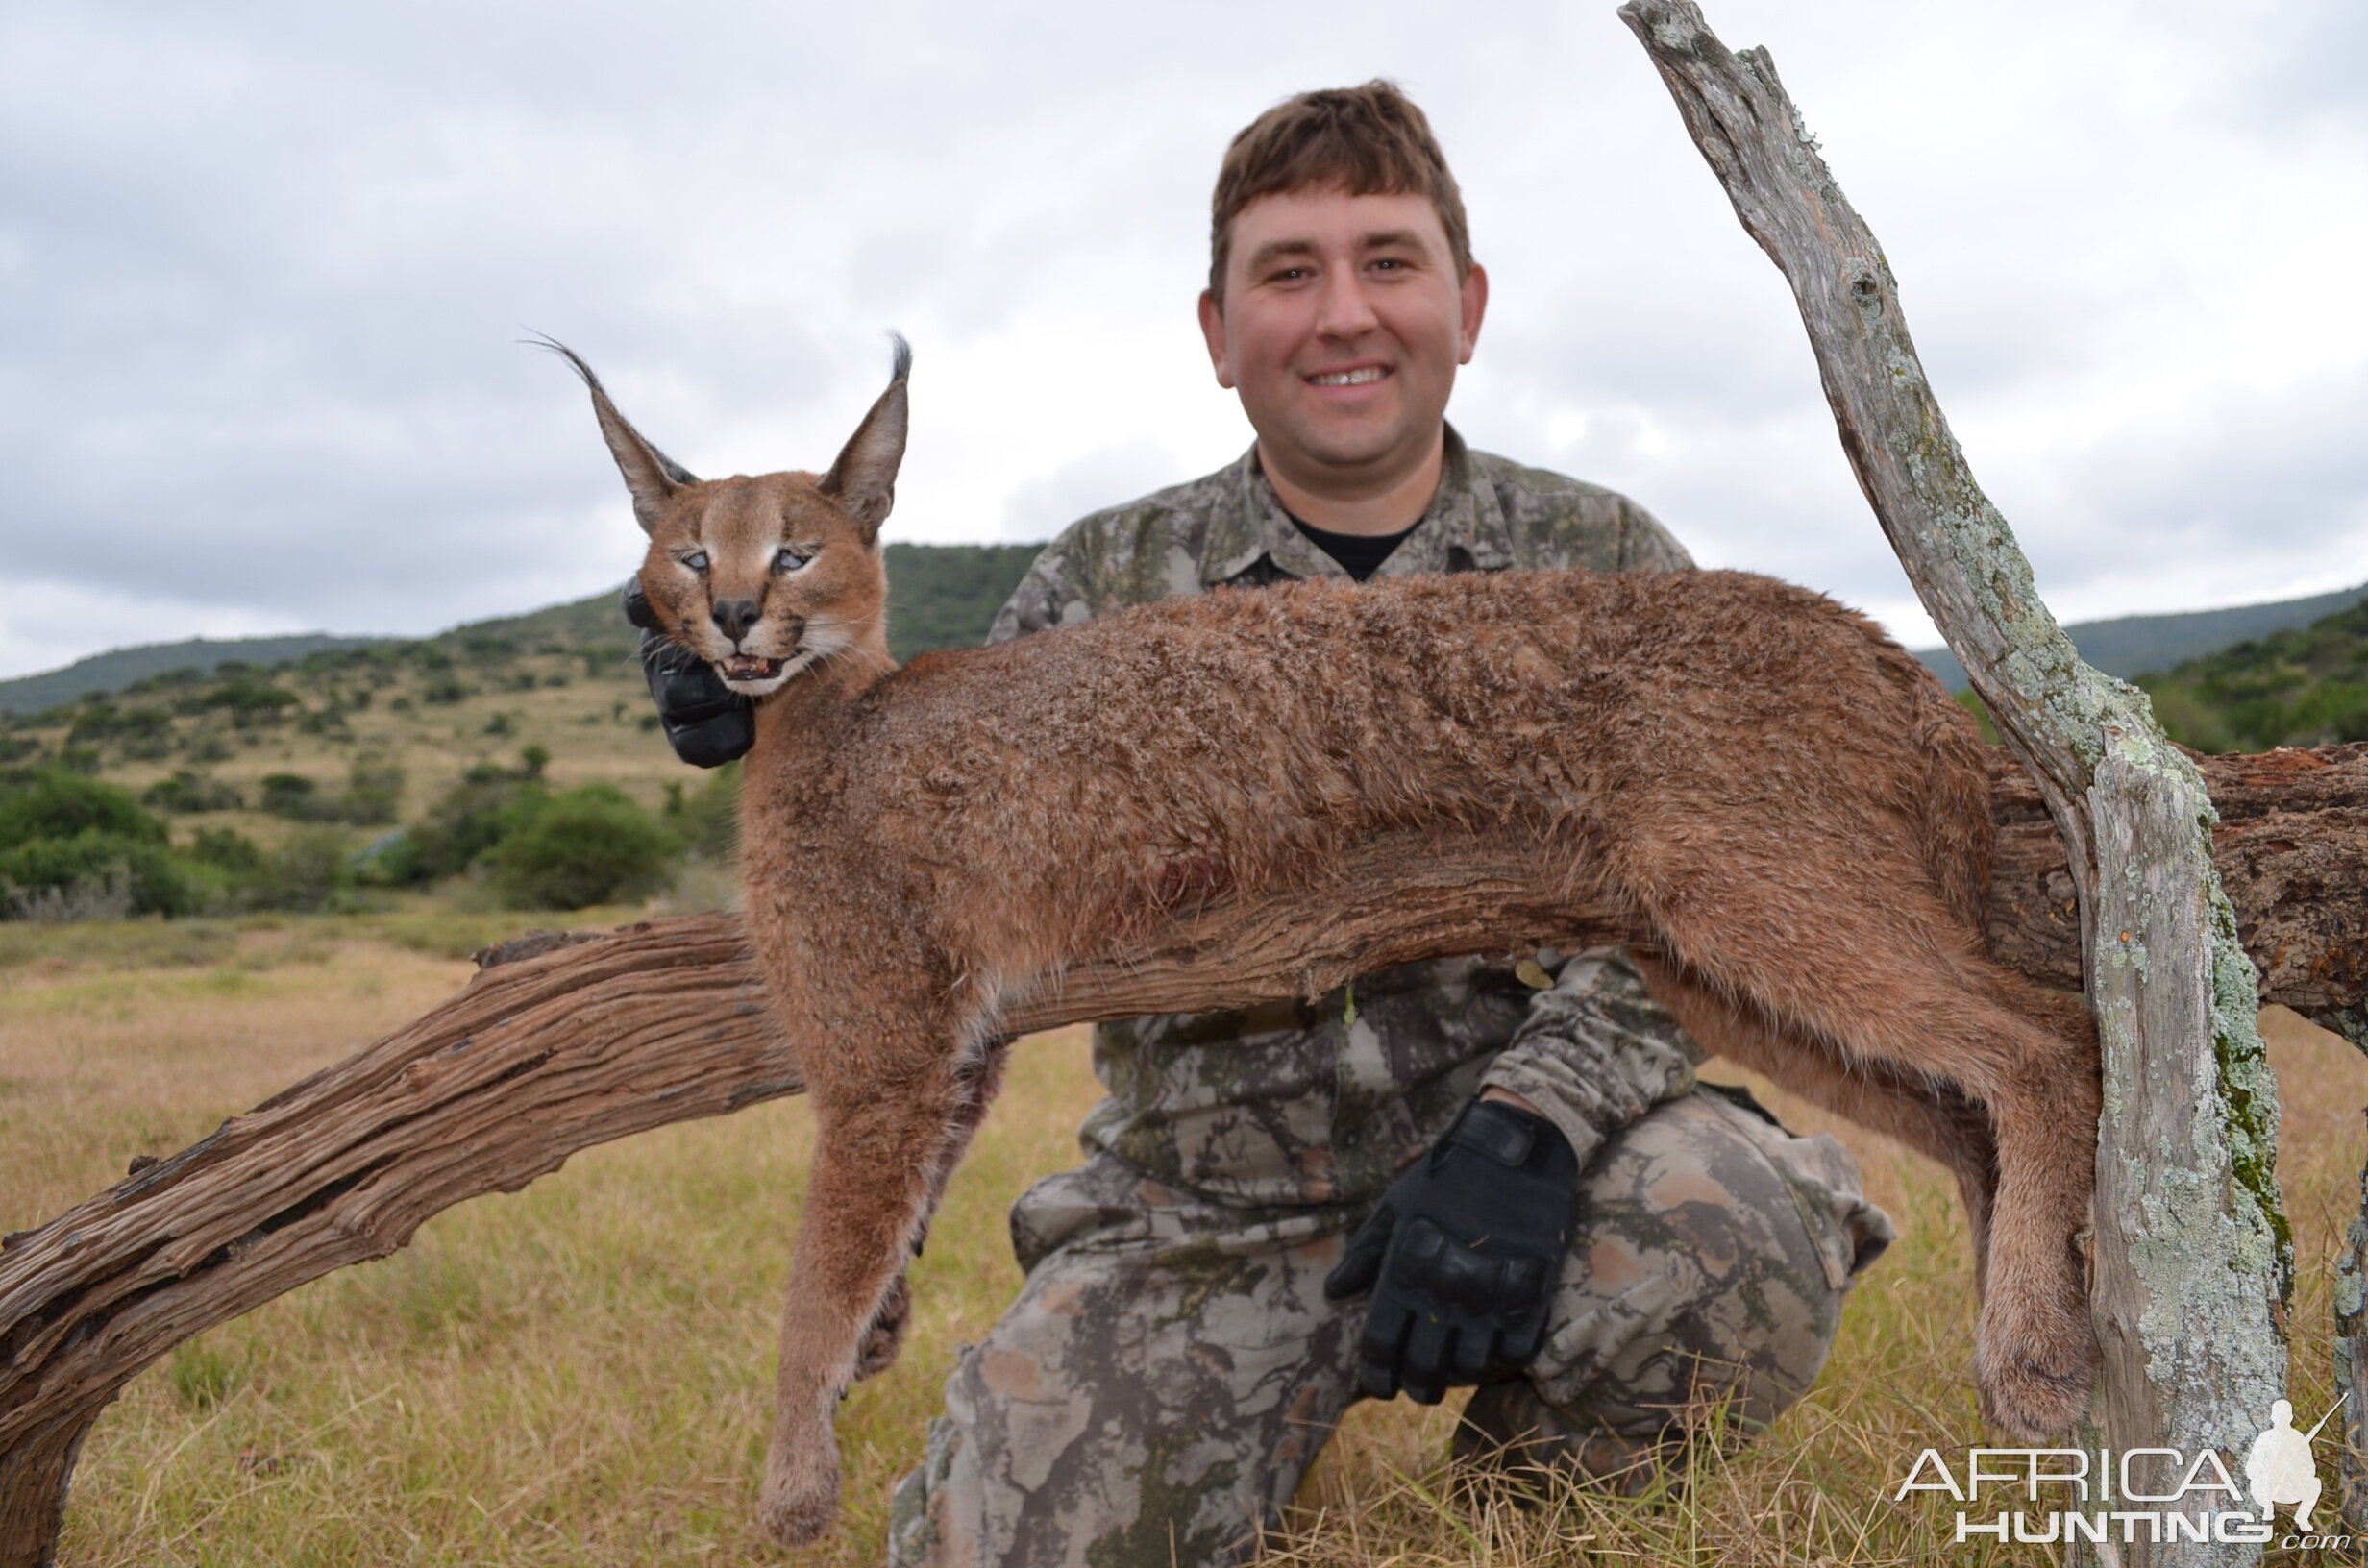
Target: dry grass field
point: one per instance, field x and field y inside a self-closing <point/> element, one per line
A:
<point x="578" y="1373"/>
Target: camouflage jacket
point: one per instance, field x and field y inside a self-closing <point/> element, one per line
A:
<point x="1295" y="1103"/>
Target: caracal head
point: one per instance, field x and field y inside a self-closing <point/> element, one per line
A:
<point x="766" y="577"/>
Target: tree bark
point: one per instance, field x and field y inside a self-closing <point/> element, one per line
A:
<point x="565" y="1041"/>
<point x="2191" y="1257"/>
<point x="2352" y="1367"/>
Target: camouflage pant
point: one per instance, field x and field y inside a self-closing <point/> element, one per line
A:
<point x="1172" y="1366"/>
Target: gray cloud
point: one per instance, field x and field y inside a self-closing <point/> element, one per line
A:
<point x="262" y="266"/>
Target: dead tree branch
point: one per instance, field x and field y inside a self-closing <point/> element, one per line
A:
<point x="2191" y="1258"/>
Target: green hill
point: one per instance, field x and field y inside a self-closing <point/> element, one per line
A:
<point x="2302" y="686"/>
<point x="114" y="671"/>
<point x="2135" y="643"/>
<point x="946" y="596"/>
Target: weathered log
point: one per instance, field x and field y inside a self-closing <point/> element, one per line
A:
<point x="2191" y="1256"/>
<point x="577" y="1044"/>
<point x="2291" y="843"/>
<point x="564" y="1041"/>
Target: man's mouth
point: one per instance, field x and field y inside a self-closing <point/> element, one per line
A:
<point x="1350" y="377"/>
<point x="748" y="667"/>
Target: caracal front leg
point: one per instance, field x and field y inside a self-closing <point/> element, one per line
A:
<point x="978" y="1079"/>
<point x="875" y="1162"/>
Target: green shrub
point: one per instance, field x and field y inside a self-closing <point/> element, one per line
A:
<point x="70" y="846"/>
<point x="105" y="721"/>
<point x="249" y="696"/>
<point x="591" y="846"/>
<point x="296" y="797"/>
<point x="305" y="874"/>
<point x="373" y="790"/>
<point x="188" y="792"/>
<point x="52" y="873"/>
<point x="228" y="852"/>
<point x="60" y="805"/>
<point x="487" y="806"/>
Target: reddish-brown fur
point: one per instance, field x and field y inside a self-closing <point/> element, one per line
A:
<point x="1791" y="812"/>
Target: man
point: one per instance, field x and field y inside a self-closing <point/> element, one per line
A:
<point x="1471" y="1170"/>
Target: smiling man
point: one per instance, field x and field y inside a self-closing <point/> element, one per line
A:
<point x="1341" y="331"/>
<point x="1493" y="1170"/>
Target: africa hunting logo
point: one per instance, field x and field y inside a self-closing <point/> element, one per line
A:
<point x="2149" y="1494"/>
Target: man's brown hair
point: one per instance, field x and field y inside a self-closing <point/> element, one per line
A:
<point x="1369" y="141"/>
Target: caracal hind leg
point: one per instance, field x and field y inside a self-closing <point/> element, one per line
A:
<point x="1889" y="978"/>
<point x="874" y="1168"/>
<point x="1932" y="1116"/>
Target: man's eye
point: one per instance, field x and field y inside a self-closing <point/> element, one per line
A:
<point x="695" y="560"/>
<point x="786" y="559"/>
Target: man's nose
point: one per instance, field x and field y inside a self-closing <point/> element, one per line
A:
<point x="1343" y="310"/>
<point x="733" y="617"/>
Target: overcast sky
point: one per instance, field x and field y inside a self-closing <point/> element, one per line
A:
<point x="263" y="267"/>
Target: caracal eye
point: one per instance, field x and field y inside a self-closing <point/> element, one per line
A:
<point x="788" y="558"/>
<point x="697" y="561"/>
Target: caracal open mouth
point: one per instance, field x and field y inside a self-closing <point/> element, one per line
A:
<point x="748" y="667"/>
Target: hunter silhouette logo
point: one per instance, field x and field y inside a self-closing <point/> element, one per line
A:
<point x="2132" y="1495"/>
<point x="2278" y="1466"/>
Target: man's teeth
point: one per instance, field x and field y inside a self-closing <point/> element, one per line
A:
<point x="1351" y="377"/>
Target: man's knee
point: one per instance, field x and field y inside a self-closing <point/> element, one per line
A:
<point x="1168" y="1372"/>
<point x="1702" y="1294"/>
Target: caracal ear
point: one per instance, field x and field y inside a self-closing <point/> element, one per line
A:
<point x="650" y="474"/>
<point x="864" y="478"/>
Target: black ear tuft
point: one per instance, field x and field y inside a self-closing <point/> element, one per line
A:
<point x="650" y="474"/>
<point x="864" y="478"/>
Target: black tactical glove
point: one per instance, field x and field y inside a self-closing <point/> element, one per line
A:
<point x="706" y="722"/>
<point x="1463" y="1254"/>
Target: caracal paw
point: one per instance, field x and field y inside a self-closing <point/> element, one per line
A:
<point x="2035" y="1370"/>
<point x="800" y="1499"/>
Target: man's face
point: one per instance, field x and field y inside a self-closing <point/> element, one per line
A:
<point x="1342" y="324"/>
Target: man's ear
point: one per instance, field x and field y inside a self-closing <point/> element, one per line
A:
<point x="1472" y="303"/>
<point x="1213" y="331"/>
<point x="864" y="478"/>
<point x="650" y="476"/>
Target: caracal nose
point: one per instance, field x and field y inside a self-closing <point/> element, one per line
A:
<point x="733" y="617"/>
